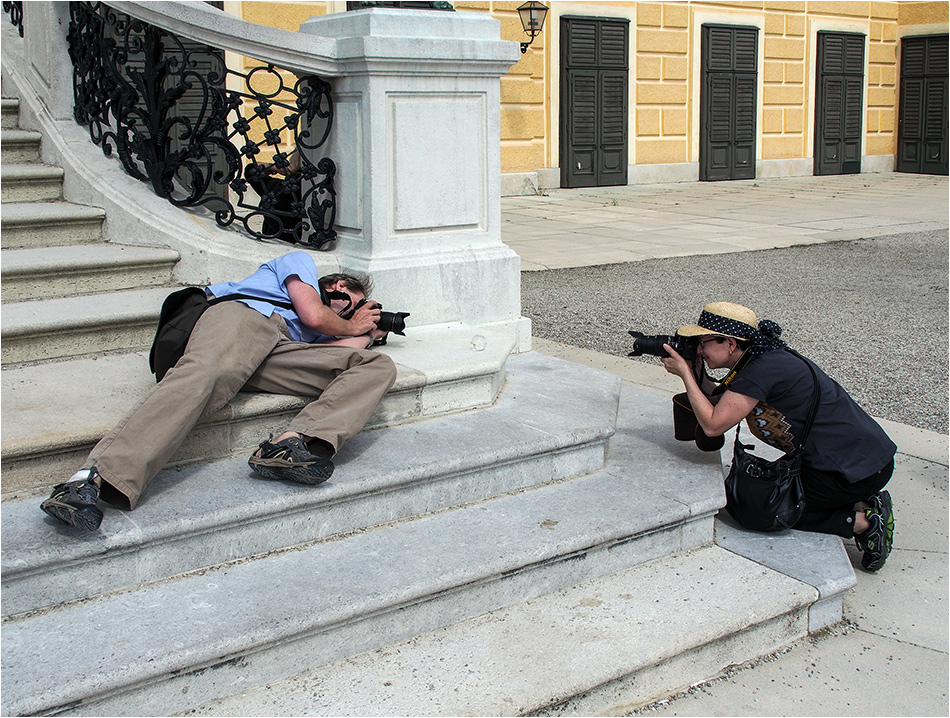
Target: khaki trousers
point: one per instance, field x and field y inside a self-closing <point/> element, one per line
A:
<point x="235" y="348"/>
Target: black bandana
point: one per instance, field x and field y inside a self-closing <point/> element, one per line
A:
<point x="763" y="339"/>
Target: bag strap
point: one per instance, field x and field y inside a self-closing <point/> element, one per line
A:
<point x="816" y="396"/>
<point x="282" y="305"/>
<point x="815" y="399"/>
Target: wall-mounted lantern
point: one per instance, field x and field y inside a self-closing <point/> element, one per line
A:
<point x="532" y="15"/>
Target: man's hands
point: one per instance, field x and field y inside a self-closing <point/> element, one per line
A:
<point x="365" y="319"/>
<point x="323" y="319"/>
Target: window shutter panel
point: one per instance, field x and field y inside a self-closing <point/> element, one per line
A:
<point x="720" y="48"/>
<point x="584" y="110"/>
<point x="582" y="51"/>
<point x="746" y="56"/>
<point x="745" y="110"/>
<point x="935" y="119"/>
<point x="853" y="55"/>
<point x="613" y="45"/>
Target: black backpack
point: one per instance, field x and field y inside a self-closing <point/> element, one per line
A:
<point x="180" y="312"/>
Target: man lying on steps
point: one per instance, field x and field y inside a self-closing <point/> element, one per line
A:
<point x="320" y="347"/>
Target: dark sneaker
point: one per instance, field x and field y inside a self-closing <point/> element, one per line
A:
<point x="877" y="541"/>
<point x="290" y="459"/>
<point x="74" y="503"/>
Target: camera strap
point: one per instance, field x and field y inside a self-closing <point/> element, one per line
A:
<point x="744" y="359"/>
<point x="328" y="294"/>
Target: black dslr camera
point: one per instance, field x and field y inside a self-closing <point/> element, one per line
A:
<point x="653" y="345"/>
<point x="394" y="322"/>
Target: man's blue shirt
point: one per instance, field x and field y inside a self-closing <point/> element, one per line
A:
<point x="268" y="283"/>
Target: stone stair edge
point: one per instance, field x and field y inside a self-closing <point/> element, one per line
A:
<point x="48" y="211"/>
<point x="500" y="663"/>
<point x="102" y="256"/>
<point x="375" y="465"/>
<point x="21" y="171"/>
<point x="121" y="378"/>
<point x="18" y="135"/>
<point x="462" y="558"/>
<point x="67" y="547"/>
<point x="819" y="560"/>
<point x="83" y="312"/>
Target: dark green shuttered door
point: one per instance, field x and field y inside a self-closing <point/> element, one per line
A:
<point x="594" y="108"/>
<point x="922" y="123"/>
<point x="728" y="102"/>
<point x="838" y="107"/>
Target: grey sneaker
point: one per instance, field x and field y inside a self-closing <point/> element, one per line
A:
<point x="290" y="459"/>
<point x="74" y="503"/>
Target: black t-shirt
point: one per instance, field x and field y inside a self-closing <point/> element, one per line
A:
<point x="843" y="438"/>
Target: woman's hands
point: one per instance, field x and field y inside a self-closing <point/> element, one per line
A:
<point x="676" y="364"/>
<point x="716" y="418"/>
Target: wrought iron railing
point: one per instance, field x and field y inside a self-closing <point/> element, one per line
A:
<point x="202" y="134"/>
<point x="14" y="9"/>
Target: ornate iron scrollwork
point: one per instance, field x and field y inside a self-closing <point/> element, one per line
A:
<point x="201" y="134"/>
<point x="14" y="8"/>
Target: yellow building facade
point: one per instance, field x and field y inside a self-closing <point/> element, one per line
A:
<point x="667" y="85"/>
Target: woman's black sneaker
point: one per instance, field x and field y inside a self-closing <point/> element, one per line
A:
<point x="290" y="459"/>
<point x="74" y="503"/>
<point x="877" y="541"/>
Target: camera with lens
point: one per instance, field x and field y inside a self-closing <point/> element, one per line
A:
<point x="394" y="322"/>
<point x="653" y="345"/>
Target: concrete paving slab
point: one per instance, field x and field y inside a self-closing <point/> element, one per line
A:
<point x="773" y="212"/>
<point x="907" y="600"/>
<point x="842" y="673"/>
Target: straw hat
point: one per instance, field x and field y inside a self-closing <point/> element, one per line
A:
<point x="723" y="319"/>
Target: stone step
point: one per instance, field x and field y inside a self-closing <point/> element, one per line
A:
<point x="49" y="224"/>
<point x="30" y="183"/>
<point x="603" y="647"/>
<point x="258" y="620"/>
<point x="48" y="272"/>
<point x="819" y="560"/>
<point x="19" y="146"/>
<point x="65" y="407"/>
<point x="211" y="513"/>
<point x="10" y="109"/>
<point x="78" y="326"/>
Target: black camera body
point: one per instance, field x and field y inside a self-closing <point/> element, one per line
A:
<point x="653" y="345"/>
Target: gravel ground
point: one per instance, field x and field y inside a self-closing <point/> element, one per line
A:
<point x="873" y="313"/>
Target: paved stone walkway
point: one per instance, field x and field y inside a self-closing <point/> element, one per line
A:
<point x="583" y="227"/>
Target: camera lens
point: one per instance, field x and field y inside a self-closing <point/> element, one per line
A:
<point x="651" y="345"/>
<point x="392" y="322"/>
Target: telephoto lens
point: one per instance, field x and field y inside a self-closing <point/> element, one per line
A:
<point x="653" y="345"/>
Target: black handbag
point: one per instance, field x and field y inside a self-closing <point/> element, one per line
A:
<point x="767" y="495"/>
<point x="181" y="310"/>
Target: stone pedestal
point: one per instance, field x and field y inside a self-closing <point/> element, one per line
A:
<point x="416" y="142"/>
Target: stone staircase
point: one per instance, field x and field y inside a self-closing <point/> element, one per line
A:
<point x="515" y="534"/>
<point x="79" y="315"/>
